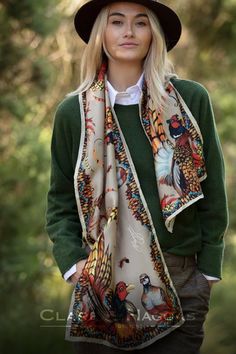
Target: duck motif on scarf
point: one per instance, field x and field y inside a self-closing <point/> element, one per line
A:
<point x="125" y="297"/>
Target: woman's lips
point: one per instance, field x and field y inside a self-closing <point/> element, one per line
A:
<point x="128" y="45"/>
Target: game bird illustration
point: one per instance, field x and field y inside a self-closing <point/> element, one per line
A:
<point x="177" y="166"/>
<point x="105" y="307"/>
<point x="154" y="298"/>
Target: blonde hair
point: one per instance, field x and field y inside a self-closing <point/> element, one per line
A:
<point x="157" y="67"/>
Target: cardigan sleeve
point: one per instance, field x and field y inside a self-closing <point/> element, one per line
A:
<point x="62" y="220"/>
<point x="212" y="209"/>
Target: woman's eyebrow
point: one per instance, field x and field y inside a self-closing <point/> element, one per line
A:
<point x="120" y="14"/>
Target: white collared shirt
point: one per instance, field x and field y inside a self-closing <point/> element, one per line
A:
<point x="130" y="96"/>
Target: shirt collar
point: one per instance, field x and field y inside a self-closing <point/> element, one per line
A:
<point x="130" y="96"/>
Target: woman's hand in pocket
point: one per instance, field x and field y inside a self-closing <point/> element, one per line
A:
<point x="79" y="266"/>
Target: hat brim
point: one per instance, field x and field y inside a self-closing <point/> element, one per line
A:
<point x="169" y="20"/>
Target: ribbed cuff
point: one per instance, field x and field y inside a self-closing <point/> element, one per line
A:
<point x="210" y="259"/>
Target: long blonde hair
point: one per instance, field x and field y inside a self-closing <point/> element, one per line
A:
<point x="157" y="66"/>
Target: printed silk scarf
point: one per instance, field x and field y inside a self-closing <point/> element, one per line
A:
<point x="125" y="297"/>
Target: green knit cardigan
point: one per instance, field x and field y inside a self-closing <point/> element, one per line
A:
<point x="199" y="229"/>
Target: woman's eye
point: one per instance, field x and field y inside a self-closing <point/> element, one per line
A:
<point x="141" y="23"/>
<point x="116" y="22"/>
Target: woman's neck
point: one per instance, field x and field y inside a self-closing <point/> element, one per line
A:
<point x="122" y="76"/>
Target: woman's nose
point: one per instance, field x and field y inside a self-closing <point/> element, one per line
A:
<point x="129" y="32"/>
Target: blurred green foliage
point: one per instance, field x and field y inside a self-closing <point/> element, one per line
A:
<point x="39" y="55"/>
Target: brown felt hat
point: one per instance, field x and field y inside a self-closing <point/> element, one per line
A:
<point x="169" y="20"/>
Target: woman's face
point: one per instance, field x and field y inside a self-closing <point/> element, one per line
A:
<point x="128" y="33"/>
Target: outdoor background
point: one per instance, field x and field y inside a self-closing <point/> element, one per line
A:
<point x="39" y="63"/>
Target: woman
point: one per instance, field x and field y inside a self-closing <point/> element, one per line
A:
<point x="137" y="207"/>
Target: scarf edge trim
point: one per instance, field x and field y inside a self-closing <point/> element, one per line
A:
<point x="146" y="344"/>
<point x="169" y="222"/>
<point x="78" y="162"/>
